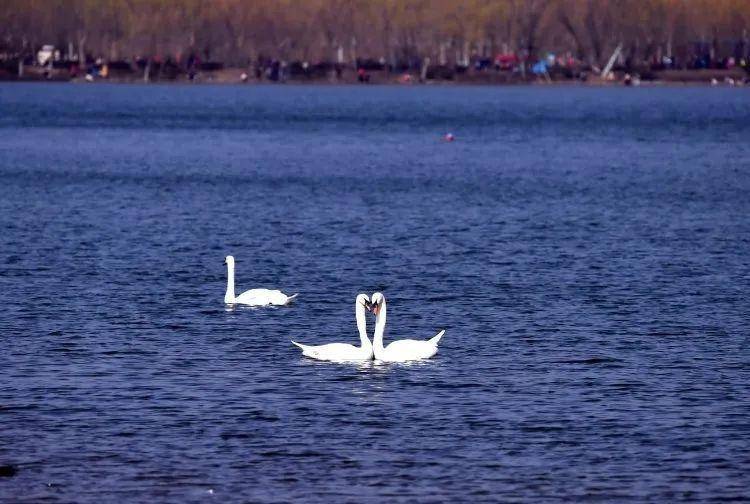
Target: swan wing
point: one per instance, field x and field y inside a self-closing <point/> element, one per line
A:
<point x="409" y="349"/>
<point x="263" y="297"/>
<point x="254" y="297"/>
<point x="278" y="298"/>
<point x="334" y="352"/>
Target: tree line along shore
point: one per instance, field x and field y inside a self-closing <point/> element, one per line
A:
<point x="376" y="41"/>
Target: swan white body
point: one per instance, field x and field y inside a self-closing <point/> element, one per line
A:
<point x="342" y="352"/>
<point x="401" y="350"/>
<point x="252" y="297"/>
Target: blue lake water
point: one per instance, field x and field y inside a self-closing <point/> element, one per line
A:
<point x="587" y="251"/>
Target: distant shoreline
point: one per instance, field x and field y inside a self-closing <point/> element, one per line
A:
<point x="240" y="76"/>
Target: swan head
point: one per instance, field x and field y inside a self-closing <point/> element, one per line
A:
<point x="229" y="260"/>
<point x="364" y="300"/>
<point x="376" y="303"/>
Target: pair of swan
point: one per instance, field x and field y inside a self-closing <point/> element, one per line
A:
<point x="252" y="297"/>
<point x="398" y="351"/>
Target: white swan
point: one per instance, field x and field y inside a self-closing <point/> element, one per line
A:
<point x="340" y="352"/>
<point x="252" y="297"/>
<point x="401" y="350"/>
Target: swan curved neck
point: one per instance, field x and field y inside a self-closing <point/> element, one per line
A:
<point x="359" y="311"/>
<point x="229" y="296"/>
<point x="377" y="340"/>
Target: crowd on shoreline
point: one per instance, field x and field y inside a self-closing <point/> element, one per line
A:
<point x="49" y="65"/>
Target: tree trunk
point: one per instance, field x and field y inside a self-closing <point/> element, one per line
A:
<point x="570" y="28"/>
<point x="82" y="51"/>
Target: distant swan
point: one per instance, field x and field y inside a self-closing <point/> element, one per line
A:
<point x="340" y="352"/>
<point x="252" y="297"/>
<point x="401" y="350"/>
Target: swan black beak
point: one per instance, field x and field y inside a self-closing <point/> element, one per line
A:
<point x="367" y="305"/>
